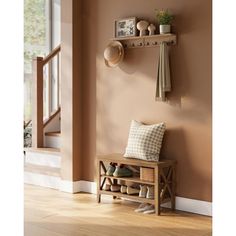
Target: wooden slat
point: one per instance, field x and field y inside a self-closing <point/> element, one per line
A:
<point x="165" y="200"/>
<point x="127" y="196"/>
<point x="130" y="179"/>
<point x="98" y="181"/>
<point x="37" y="103"/>
<point x="173" y="187"/>
<point x="157" y="189"/>
<point x="58" y="80"/>
<point x="119" y="158"/>
<point x="103" y="167"/>
<point x="49" y="89"/>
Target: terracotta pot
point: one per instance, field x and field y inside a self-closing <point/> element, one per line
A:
<point x="164" y="29"/>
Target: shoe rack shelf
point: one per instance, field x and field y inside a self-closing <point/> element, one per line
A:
<point x="146" y="41"/>
<point x="129" y="179"/>
<point x="131" y="197"/>
<point x="164" y="180"/>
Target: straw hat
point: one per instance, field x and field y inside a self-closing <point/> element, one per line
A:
<point x="113" y="54"/>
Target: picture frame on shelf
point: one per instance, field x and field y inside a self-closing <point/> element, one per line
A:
<point x="125" y="27"/>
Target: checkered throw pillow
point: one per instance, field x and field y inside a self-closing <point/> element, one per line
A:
<point x="145" y="141"/>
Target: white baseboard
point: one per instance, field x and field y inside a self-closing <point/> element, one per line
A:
<point x="78" y="186"/>
<point x="192" y="205"/>
<point x="67" y="186"/>
<point x="87" y="186"/>
<point x="182" y="204"/>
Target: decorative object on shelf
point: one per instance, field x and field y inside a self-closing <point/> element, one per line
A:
<point x="163" y="83"/>
<point x="151" y="29"/>
<point x="125" y="27"/>
<point x="113" y="54"/>
<point x="142" y="27"/>
<point x="164" y="18"/>
<point x="145" y="141"/>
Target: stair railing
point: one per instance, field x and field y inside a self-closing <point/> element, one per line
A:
<point x="42" y="93"/>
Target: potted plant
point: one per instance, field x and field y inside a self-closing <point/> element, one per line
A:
<point x="164" y="18"/>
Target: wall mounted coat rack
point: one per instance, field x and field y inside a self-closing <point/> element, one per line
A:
<point x="146" y="41"/>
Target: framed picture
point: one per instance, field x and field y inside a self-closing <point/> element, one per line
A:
<point x="125" y="27"/>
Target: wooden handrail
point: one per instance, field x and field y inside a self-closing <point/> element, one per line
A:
<point x="38" y="123"/>
<point x="53" y="53"/>
<point x="46" y="122"/>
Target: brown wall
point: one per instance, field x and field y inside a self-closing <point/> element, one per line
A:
<point x="113" y="97"/>
<point x="71" y="95"/>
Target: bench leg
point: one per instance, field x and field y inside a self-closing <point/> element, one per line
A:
<point x="157" y="191"/>
<point x="173" y="180"/>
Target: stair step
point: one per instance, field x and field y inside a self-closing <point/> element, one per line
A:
<point x="43" y="167"/>
<point x="53" y="133"/>
<point x="53" y="151"/>
<point x="52" y="141"/>
<point x="45" y="176"/>
<point x="49" y="157"/>
<point x="43" y="170"/>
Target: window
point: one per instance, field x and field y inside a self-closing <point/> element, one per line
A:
<point x="41" y="34"/>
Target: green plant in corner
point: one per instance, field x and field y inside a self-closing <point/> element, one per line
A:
<point x="164" y="17"/>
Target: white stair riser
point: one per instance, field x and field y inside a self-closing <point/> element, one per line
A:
<point x="42" y="180"/>
<point x="43" y="159"/>
<point x="52" y="141"/>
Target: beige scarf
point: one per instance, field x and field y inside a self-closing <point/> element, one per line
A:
<point x="163" y="84"/>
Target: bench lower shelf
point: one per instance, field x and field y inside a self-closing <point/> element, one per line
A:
<point x="131" y="197"/>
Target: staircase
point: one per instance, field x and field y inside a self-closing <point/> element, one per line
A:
<point x="42" y="163"/>
<point x="42" y="167"/>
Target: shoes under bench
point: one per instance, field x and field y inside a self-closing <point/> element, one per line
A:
<point x="144" y="191"/>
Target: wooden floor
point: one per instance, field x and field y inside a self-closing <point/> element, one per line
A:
<point x="54" y="213"/>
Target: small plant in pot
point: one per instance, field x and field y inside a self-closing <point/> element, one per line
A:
<point x="164" y="18"/>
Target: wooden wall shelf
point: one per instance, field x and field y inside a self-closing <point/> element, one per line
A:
<point x="146" y="41"/>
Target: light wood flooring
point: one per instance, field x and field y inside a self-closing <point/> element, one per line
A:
<point x="53" y="213"/>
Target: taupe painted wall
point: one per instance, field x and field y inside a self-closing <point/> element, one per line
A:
<point x="71" y="77"/>
<point x="113" y="97"/>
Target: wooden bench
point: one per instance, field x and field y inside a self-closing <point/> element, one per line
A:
<point x="164" y="179"/>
